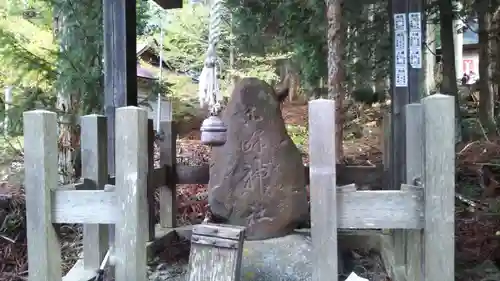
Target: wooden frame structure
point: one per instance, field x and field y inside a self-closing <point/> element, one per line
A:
<point x="422" y="211"/>
<point x="423" y="247"/>
<point x="131" y="142"/>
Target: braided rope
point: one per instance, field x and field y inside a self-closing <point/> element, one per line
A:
<point x="216" y="14"/>
<point x="209" y="92"/>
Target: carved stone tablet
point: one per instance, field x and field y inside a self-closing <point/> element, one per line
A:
<point x="257" y="178"/>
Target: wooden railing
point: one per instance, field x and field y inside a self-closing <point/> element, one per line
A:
<point x="421" y="212"/>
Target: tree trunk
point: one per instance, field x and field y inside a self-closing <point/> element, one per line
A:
<point x="232" y="53"/>
<point x="381" y="64"/>
<point x="430" y="58"/>
<point x="486" y="100"/>
<point x="294" y="86"/>
<point x="496" y="49"/>
<point x="291" y="80"/>
<point x="80" y="83"/>
<point x="458" y="38"/>
<point x="66" y="138"/>
<point x="335" y="41"/>
<point x="449" y="82"/>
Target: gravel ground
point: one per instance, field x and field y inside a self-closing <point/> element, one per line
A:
<point x="168" y="272"/>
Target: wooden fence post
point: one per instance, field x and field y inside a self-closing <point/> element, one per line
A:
<point x="131" y="187"/>
<point x="439" y="183"/>
<point x="412" y="239"/>
<point x="41" y="176"/>
<point x="386" y="152"/>
<point x="168" y="208"/>
<point x="322" y="162"/>
<point x="94" y="144"/>
<point x="151" y="182"/>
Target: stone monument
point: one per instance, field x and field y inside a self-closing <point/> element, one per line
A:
<point x="257" y="178"/>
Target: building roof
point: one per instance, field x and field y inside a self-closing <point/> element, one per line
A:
<point x="145" y="73"/>
<point x="141" y="47"/>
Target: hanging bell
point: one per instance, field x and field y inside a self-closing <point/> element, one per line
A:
<point x="213" y="131"/>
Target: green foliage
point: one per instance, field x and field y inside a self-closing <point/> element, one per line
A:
<point x="182" y="85"/>
<point x="26" y="50"/>
<point x="300" y="27"/>
<point x="186" y="39"/>
<point x="20" y="65"/>
<point x="186" y="43"/>
<point x="262" y="67"/>
<point x="27" y="59"/>
<point x="299" y="135"/>
<point x="290" y="26"/>
<point x="80" y="65"/>
<point x="33" y="62"/>
<point x="143" y="16"/>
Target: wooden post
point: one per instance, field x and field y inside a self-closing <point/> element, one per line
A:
<point x="411" y="253"/>
<point x="399" y="89"/>
<point x="151" y="182"/>
<point x="40" y="162"/>
<point x="216" y="252"/>
<point x="323" y="189"/>
<point x="168" y="137"/>
<point x="386" y="151"/>
<point x="95" y="172"/>
<point x="439" y="183"/>
<point x="417" y="34"/>
<point x="131" y="188"/>
<point x="414" y="156"/>
<point x="120" y="63"/>
<point x="120" y="69"/>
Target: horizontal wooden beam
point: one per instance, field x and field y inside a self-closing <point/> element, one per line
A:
<point x="185" y="174"/>
<point x="356" y="209"/>
<point x="403" y="209"/>
<point x="85" y="207"/>
<point x="359" y="175"/>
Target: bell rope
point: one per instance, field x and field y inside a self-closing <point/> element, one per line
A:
<point x="209" y="91"/>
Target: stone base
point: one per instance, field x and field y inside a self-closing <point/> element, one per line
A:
<point x="279" y="259"/>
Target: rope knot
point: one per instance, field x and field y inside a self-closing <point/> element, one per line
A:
<point x="210" y="61"/>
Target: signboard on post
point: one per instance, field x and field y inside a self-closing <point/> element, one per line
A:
<point x="415" y="22"/>
<point x="400" y="51"/>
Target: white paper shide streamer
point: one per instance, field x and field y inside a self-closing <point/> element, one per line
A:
<point x="209" y="92"/>
<point x="354" y="277"/>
